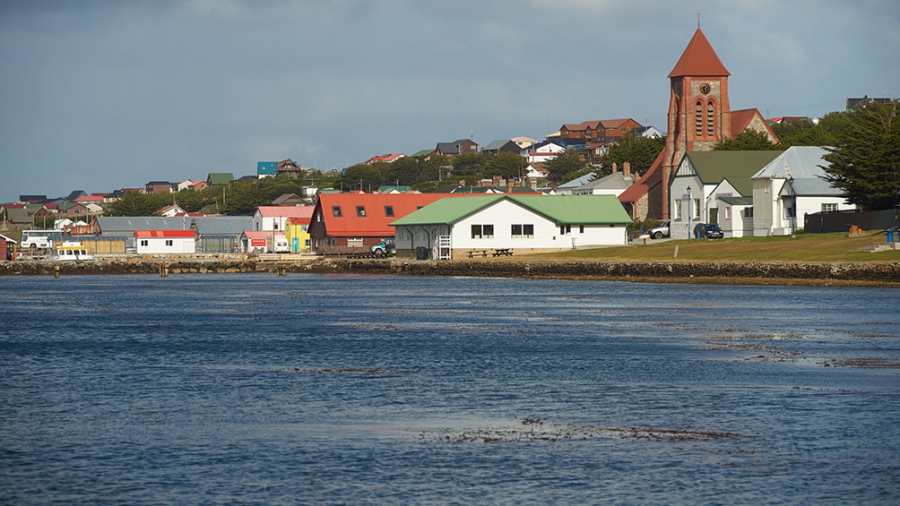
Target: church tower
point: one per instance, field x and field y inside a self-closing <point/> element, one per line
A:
<point x="699" y="111"/>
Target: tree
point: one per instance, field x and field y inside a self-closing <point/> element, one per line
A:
<point x="748" y="140"/>
<point x="138" y="204"/>
<point x="362" y="177"/>
<point x="637" y="150"/>
<point x="403" y="171"/>
<point x="469" y="165"/>
<point x="506" y="165"/>
<point x="803" y="132"/>
<point x="565" y="163"/>
<point x="865" y="163"/>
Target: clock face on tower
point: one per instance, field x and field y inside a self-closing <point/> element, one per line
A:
<point x="704" y="88"/>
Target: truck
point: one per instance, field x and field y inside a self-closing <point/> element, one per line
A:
<point x="385" y="248"/>
<point x="277" y="244"/>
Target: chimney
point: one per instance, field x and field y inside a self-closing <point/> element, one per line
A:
<point x="626" y="169"/>
<point x="615" y="167"/>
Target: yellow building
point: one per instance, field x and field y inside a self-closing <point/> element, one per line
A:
<point x="297" y="234"/>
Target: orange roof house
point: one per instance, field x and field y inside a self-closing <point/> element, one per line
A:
<point x="344" y="222"/>
<point x="699" y="117"/>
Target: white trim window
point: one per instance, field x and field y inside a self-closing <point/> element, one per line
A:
<point x="355" y="242"/>
<point x="482" y="231"/>
<point x="522" y="231"/>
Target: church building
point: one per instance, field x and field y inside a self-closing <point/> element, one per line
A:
<point x="699" y="117"/>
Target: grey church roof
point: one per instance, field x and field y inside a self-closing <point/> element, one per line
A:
<point x="804" y="164"/>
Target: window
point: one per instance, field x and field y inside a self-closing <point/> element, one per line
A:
<point x="565" y="229"/>
<point x="829" y="208"/>
<point x="748" y="213"/>
<point x="728" y="213"/>
<point x="361" y="211"/>
<point x="698" y="118"/>
<point x="275" y="225"/>
<point x="697" y="207"/>
<point x="522" y="231"/>
<point x="580" y="229"/>
<point x="678" y="210"/>
<point x="145" y="242"/>
<point x="482" y="231"/>
<point x="168" y="242"/>
<point x="710" y="119"/>
<point x="389" y="211"/>
<point x="304" y="228"/>
<point x="355" y="242"/>
<point x="336" y="211"/>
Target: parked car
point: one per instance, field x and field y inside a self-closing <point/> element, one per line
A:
<point x="708" y="231"/>
<point x="386" y="248"/>
<point x="660" y="231"/>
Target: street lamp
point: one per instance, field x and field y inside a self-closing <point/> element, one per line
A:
<point x="790" y="182"/>
<point x="689" y="205"/>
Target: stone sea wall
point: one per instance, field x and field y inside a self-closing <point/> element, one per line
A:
<point x="882" y="273"/>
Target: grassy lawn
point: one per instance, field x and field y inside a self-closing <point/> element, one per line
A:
<point x="836" y="247"/>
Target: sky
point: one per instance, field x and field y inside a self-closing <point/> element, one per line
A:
<point x="97" y="95"/>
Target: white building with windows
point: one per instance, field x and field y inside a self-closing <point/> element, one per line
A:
<point x="521" y="223"/>
<point x="164" y="242"/>
<point x="702" y="179"/>
<point x="791" y="186"/>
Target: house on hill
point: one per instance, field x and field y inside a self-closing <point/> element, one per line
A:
<point x="219" y="179"/>
<point x="457" y="147"/>
<point x="454" y="227"/>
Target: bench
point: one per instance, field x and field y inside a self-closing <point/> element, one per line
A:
<point x="478" y="252"/>
<point x="499" y="252"/>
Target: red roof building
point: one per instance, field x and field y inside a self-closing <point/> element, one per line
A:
<point x="351" y="222"/>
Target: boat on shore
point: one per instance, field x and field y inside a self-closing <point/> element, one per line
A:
<point x="70" y="251"/>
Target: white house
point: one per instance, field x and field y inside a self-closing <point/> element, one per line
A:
<point x="543" y="152"/>
<point x="791" y="186"/>
<point x="692" y="187"/>
<point x="172" y="242"/>
<point x="275" y="218"/>
<point x="452" y="227"/>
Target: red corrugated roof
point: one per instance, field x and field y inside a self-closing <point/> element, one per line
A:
<point x="164" y="233"/>
<point x="650" y="179"/>
<point x="376" y="221"/>
<point x="286" y="211"/>
<point x="699" y="60"/>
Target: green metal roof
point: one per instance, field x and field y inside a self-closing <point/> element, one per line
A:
<point x="561" y="209"/>
<point x="714" y="166"/>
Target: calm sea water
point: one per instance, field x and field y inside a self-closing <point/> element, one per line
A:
<point x="309" y="389"/>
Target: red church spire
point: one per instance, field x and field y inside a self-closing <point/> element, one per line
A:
<point x="699" y="60"/>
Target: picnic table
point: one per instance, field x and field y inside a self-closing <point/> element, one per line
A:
<point x="500" y="252"/>
<point x="477" y="252"/>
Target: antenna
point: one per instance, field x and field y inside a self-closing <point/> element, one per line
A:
<point x="698" y="20"/>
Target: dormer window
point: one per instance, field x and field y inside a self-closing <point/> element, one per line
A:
<point x="361" y="211"/>
<point x="336" y="211"/>
<point x="389" y="211"/>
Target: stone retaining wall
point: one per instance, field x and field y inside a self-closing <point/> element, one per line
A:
<point x="751" y="272"/>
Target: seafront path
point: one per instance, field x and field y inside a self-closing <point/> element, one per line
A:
<point x="774" y="273"/>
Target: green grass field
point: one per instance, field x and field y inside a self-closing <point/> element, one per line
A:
<point x="836" y="247"/>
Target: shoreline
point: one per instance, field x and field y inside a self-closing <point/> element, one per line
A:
<point x="873" y="274"/>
